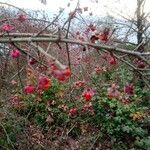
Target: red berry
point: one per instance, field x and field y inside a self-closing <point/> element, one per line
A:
<point x="29" y="89"/>
<point x="44" y="82"/>
<point x="32" y="61"/>
<point x="98" y="70"/>
<point x="67" y="72"/>
<point x="7" y="27"/>
<point x="22" y="18"/>
<point x="61" y="78"/>
<point x="103" y="37"/>
<point x="53" y="67"/>
<point x="112" y="61"/>
<point x="58" y="74"/>
<point x="73" y="111"/>
<point x="88" y="94"/>
<point x="128" y="89"/>
<point x="15" y="53"/>
<point x="141" y="64"/>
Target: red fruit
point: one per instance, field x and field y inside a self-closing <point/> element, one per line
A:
<point x="58" y="74"/>
<point x="112" y="61"/>
<point x="53" y="67"/>
<point x="77" y="33"/>
<point x="88" y="94"/>
<point x="141" y="64"/>
<point x="67" y="72"/>
<point x="128" y="89"/>
<point x="29" y="89"/>
<point x="103" y="37"/>
<point x="73" y="111"/>
<point x="7" y="27"/>
<point x="61" y="78"/>
<point x="98" y="70"/>
<point x="44" y="83"/>
<point x="32" y="61"/>
<point x="22" y="18"/>
<point x="15" y="53"/>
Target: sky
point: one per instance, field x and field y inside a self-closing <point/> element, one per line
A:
<point x="102" y="8"/>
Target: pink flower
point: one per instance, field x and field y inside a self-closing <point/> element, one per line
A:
<point x="7" y="27"/>
<point x="15" y="53"/>
<point x="22" y="18"/>
<point x="29" y="89"/>
<point x="128" y="89"/>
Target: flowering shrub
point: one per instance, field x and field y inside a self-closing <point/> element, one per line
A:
<point x="71" y="87"/>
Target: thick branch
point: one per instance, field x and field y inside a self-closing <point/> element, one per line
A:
<point x="72" y="41"/>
